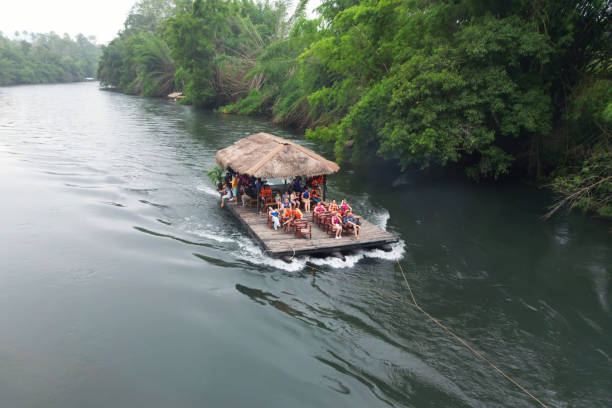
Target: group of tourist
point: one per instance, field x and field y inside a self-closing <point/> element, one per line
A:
<point x="236" y="184"/>
<point x="296" y="196"/>
<point x="287" y="207"/>
<point x="341" y="216"/>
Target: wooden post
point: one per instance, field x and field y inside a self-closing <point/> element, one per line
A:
<point x="258" y="182"/>
<point x="324" y="187"/>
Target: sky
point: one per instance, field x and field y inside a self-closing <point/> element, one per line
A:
<point x="101" y="18"/>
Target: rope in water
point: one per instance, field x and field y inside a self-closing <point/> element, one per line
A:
<point x="443" y="327"/>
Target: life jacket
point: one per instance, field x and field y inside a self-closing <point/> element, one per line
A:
<point x="297" y="214"/>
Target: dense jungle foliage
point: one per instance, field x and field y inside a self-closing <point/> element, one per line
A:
<point x="495" y="88"/>
<point x="46" y="58"/>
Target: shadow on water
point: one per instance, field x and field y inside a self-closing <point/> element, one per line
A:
<point x="184" y="241"/>
<point x="266" y="298"/>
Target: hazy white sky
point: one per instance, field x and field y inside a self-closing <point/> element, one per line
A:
<point x="102" y="18"/>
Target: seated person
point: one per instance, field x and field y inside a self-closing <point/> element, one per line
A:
<point x="333" y="206"/>
<point x="349" y="219"/>
<point x="306" y="199"/>
<point x="293" y="199"/>
<point x="274" y="213"/>
<point x="278" y="200"/>
<point x="320" y="208"/>
<point x="315" y="195"/>
<point x="297" y="214"/>
<point x="244" y="195"/>
<point x="286" y="215"/>
<point x="344" y="207"/>
<point x="336" y="225"/>
<point x="286" y="203"/>
<point x="227" y="194"/>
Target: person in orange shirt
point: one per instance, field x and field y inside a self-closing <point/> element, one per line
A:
<point x="315" y="195"/>
<point x="297" y="214"/>
<point x="286" y="215"/>
<point x="333" y="206"/>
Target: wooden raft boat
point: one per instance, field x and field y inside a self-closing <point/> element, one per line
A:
<point x="281" y="244"/>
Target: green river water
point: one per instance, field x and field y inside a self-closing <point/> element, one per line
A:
<point x="123" y="284"/>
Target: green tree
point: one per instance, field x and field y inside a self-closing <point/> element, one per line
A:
<point x="138" y="61"/>
<point x="46" y="58"/>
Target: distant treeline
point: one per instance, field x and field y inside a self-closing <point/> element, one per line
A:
<point x="46" y="58"/>
<point x="492" y="87"/>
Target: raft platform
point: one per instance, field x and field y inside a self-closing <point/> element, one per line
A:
<point x="281" y="244"/>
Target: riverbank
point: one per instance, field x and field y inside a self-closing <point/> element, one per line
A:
<point x="466" y="93"/>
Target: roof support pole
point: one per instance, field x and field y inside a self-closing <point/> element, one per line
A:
<point x="258" y="183"/>
<point x="324" y="187"/>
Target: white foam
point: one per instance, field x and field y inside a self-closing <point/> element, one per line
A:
<point x="208" y="231"/>
<point x="401" y="180"/>
<point x="210" y="235"/>
<point x="380" y="218"/>
<point x="397" y="252"/>
<point x="250" y="252"/>
<point x="208" y="190"/>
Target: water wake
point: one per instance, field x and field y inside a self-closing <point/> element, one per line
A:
<point x="205" y="188"/>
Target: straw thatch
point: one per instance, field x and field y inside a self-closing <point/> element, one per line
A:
<point x="267" y="156"/>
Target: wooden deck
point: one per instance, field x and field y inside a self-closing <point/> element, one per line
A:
<point x="285" y="244"/>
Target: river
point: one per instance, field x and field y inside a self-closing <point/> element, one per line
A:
<point x="123" y="284"/>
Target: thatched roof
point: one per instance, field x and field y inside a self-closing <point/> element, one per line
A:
<point x="267" y="156"/>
